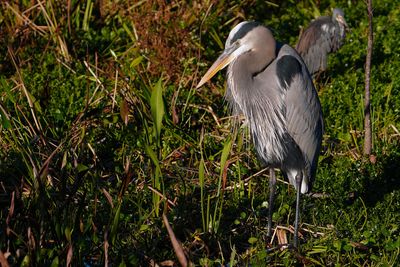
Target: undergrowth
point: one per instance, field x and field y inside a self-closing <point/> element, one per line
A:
<point x="103" y="131"/>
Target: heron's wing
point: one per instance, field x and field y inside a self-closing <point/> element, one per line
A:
<point x="315" y="43"/>
<point x="303" y="110"/>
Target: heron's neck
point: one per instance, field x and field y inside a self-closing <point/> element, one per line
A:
<point x="242" y="71"/>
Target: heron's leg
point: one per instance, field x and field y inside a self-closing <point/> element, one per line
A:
<point x="272" y="185"/>
<point x="299" y="179"/>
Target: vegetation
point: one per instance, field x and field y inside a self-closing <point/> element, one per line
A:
<point x="103" y="131"/>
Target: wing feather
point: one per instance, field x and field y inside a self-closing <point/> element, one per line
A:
<point x="303" y="111"/>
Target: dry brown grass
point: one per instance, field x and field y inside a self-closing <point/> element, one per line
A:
<point x="161" y="36"/>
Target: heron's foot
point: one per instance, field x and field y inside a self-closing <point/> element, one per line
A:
<point x="269" y="233"/>
<point x="281" y="247"/>
<point x="267" y="238"/>
<point x="290" y="248"/>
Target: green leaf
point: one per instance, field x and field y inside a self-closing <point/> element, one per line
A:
<point x="144" y="227"/>
<point x="252" y="240"/>
<point x="68" y="233"/>
<point x="225" y="154"/>
<point x="113" y="54"/>
<point x="26" y="261"/>
<point x="129" y="32"/>
<point x="136" y="61"/>
<point x="156" y="178"/>
<point x="114" y="226"/>
<point x="8" y="90"/>
<point x="87" y="15"/>
<point x="81" y="167"/>
<point x="216" y="38"/>
<point x="152" y="156"/>
<point x="55" y="262"/>
<point x="5" y="122"/>
<point x="157" y="108"/>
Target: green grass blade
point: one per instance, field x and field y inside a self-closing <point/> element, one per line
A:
<point x="201" y="181"/>
<point x="224" y="157"/>
<point x="157" y="108"/>
<point x="114" y="226"/>
<point x="156" y="181"/>
<point x="88" y="13"/>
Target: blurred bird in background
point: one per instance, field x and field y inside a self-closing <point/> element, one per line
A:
<point x="324" y="35"/>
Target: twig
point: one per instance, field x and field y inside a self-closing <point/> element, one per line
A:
<point x="395" y="129"/>
<point x="237" y="185"/>
<point x="194" y="81"/>
<point x="114" y="102"/>
<point x="161" y="195"/>
<point x="208" y="109"/>
<point x="3" y="260"/>
<point x="367" y="101"/>
<point x="99" y="83"/>
<point x="180" y="254"/>
<point x="106" y="246"/>
<point x="40" y="29"/>
<point x="27" y="95"/>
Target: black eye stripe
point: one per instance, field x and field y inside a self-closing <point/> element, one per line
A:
<point x="243" y="30"/>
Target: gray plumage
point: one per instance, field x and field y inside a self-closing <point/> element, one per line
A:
<point x="324" y="35"/>
<point x="269" y="84"/>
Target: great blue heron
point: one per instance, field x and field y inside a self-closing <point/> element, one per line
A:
<point x="269" y="84"/>
<point x="324" y="35"/>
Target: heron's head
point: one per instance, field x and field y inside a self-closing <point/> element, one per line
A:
<point x="243" y="38"/>
<point x="338" y="15"/>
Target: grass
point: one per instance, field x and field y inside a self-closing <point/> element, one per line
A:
<point x="102" y="131"/>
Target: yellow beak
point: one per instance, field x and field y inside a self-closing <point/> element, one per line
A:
<point x="342" y="20"/>
<point x="222" y="61"/>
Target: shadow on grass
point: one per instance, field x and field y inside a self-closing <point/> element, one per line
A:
<point x="384" y="181"/>
<point x="233" y="232"/>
